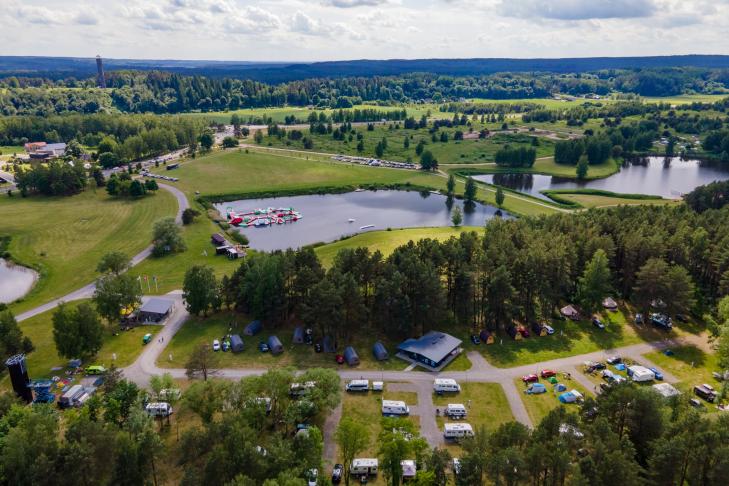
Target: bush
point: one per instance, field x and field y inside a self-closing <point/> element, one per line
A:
<point x="189" y="215"/>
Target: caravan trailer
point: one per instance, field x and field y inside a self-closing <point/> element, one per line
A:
<point x="394" y="407"/>
<point x="456" y="411"/>
<point x="364" y="467"/>
<point x="443" y="385"/>
<point x="457" y="431"/>
<point x="159" y="409"/>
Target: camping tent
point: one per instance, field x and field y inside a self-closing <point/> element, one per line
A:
<point x="298" y="335"/>
<point x="610" y="304"/>
<point x="350" y="356"/>
<point x="538" y="329"/>
<point x="253" y="328"/>
<point x="487" y="337"/>
<point x="535" y="388"/>
<point x="666" y="390"/>
<point x="514" y="333"/>
<point x="328" y="344"/>
<point x="274" y="344"/>
<point x="236" y="343"/>
<point x="570" y="312"/>
<point x="380" y="351"/>
<point x="570" y="396"/>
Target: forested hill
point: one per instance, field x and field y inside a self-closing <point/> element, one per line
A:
<point x="272" y="72"/>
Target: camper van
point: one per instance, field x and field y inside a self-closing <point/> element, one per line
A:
<point x="394" y="407"/>
<point x="159" y="409"/>
<point x="301" y="389"/>
<point x="364" y="467"/>
<point x="446" y="385"/>
<point x="71" y="397"/>
<point x="457" y="431"/>
<point x="455" y="411"/>
<point x="358" y="386"/>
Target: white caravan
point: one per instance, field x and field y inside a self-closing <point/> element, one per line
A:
<point x="457" y="431"/>
<point x="394" y="407"/>
<point x="364" y="467"/>
<point x="446" y="385"/>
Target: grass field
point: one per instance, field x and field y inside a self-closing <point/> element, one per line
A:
<point x="278" y="114"/>
<point x="595" y="201"/>
<point x="203" y="330"/>
<point x="489" y="406"/>
<point x="65" y="237"/>
<point x="387" y="241"/>
<point x="685" y="99"/>
<point x="545" y="166"/>
<point x="538" y="406"/>
<point x="126" y="345"/>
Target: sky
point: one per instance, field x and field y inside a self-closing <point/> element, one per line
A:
<point x="320" y="30"/>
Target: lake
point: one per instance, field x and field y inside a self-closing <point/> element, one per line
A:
<point x="652" y="176"/>
<point x="326" y="217"/>
<point x="15" y="281"/>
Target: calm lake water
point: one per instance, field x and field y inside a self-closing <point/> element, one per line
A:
<point x="325" y="217"/>
<point x="15" y="281"/>
<point x="656" y="176"/>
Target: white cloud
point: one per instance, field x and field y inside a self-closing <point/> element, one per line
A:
<point x="578" y="9"/>
<point x="353" y="3"/>
<point x="86" y="18"/>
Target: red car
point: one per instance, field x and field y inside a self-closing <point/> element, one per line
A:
<point x="530" y="378"/>
<point x="548" y="373"/>
<point x="339" y="358"/>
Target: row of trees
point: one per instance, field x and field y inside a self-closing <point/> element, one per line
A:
<point x="56" y="178"/>
<point x="515" y="156"/>
<point x="597" y="149"/>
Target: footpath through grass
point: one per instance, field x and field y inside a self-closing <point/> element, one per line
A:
<point x="65" y="237"/>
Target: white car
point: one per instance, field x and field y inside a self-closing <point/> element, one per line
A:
<point x="550" y="329"/>
<point x="312" y="476"/>
<point x="216" y="345"/>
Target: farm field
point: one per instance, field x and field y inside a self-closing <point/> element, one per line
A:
<point x="198" y="330"/>
<point x="538" y="406"/>
<point x="279" y="114"/>
<point x="387" y="241"/>
<point x="66" y="244"/>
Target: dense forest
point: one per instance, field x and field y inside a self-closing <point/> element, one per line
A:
<point x="164" y="92"/>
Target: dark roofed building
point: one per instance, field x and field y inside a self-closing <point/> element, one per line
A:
<point x="433" y="350"/>
<point x="155" y="310"/>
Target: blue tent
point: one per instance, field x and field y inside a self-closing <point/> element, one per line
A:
<point x="560" y="387"/>
<point x="350" y="356"/>
<point x="328" y="345"/>
<point x="253" y="328"/>
<point x="298" y="335"/>
<point x="379" y="351"/>
<point x="274" y="345"/>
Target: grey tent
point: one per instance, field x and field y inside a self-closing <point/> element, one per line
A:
<point x="274" y="345"/>
<point x="298" y="335"/>
<point x="236" y="343"/>
<point x="253" y="328"/>
<point x="328" y="344"/>
<point x="379" y="351"/>
<point x="350" y="356"/>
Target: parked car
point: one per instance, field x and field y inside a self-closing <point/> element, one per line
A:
<point x="548" y="373"/>
<point x="339" y="359"/>
<point x="659" y="375"/>
<point x="550" y="329"/>
<point x="530" y="378"/>
<point x="263" y="347"/>
<point x="475" y="339"/>
<point x="312" y="476"/>
<point x="147" y="338"/>
<point x="614" y="360"/>
<point x="337" y="473"/>
<point x="598" y="323"/>
<point x="591" y="366"/>
<point x="95" y="370"/>
<point x="639" y="318"/>
<point x="317" y="348"/>
<point x="216" y="345"/>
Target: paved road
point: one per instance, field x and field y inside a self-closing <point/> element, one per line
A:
<point x="88" y="290"/>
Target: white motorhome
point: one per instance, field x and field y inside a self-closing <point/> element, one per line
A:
<point x="446" y="385"/>
<point x="394" y="407"/>
<point x="159" y="409"/>
<point x="301" y="389"/>
<point x="456" y="411"/>
<point x="641" y="374"/>
<point x="364" y="467"/>
<point x="357" y="386"/>
<point x="457" y="431"/>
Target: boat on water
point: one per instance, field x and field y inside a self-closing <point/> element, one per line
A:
<point x="367" y="226"/>
<point x="351" y="220"/>
<point x="359" y="189"/>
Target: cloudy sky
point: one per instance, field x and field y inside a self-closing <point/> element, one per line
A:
<point x="311" y="30"/>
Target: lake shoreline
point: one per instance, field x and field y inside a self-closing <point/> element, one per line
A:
<point x="8" y="266"/>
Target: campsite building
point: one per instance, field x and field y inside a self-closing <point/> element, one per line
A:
<point x="253" y="328"/>
<point x="380" y="351"/>
<point x="155" y="310"/>
<point x="432" y="351"/>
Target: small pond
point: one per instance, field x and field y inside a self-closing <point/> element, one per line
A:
<point x="15" y="281"/>
<point x="326" y="217"/>
<point x="669" y="178"/>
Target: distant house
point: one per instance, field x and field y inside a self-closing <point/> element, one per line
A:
<point x="610" y="304"/>
<point x="42" y="150"/>
<point x="350" y="356"/>
<point x="253" y="328"/>
<point x="433" y="350"/>
<point x="380" y="351"/>
<point x="155" y="310"/>
<point x="487" y="337"/>
<point x="274" y="345"/>
<point x="570" y="312"/>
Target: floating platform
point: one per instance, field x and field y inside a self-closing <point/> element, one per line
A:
<point x="263" y="217"/>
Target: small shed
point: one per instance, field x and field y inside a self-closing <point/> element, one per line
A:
<point x="487" y="337"/>
<point x="539" y="329"/>
<point x="380" y="351"/>
<point x="610" y="304"/>
<point x="328" y="345"/>
<point x="274" y="345"/>
<point x="570" y="312"/>
<point x="298" y="335"/>
<point x="514" y="333"/>
<point x="253" y="328"/>
<point x="155" y="310"/>
<point x="236" y="343"/>
<point x="218" y="240"/>
<point x="350" y="356"/>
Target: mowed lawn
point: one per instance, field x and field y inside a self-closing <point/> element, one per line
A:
<point x="488" y="405"/>
<point x="197" y="331"/>
<point x="691" y="365"/>
<point x="387" y="241"/>
<point x="538" y="406"/>
<point x="596" y="201"/>
<point x="127" y="345"/>
<point x="65" y="237"/>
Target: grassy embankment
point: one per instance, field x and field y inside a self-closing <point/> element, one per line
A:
<point x="65" y="237"/>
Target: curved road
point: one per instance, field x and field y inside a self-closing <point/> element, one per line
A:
<point x="88" y="290"/>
